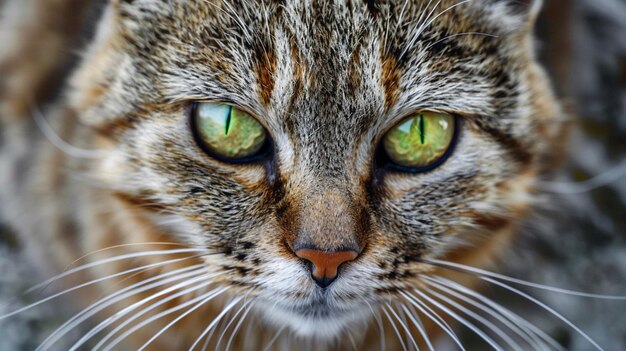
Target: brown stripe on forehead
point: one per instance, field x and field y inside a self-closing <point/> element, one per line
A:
<point x="265" y="69"/>
<point x="298" y="74"/>
<point x="390" y="79"/>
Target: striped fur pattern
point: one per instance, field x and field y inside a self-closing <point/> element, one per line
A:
<point x="327" y="79"/>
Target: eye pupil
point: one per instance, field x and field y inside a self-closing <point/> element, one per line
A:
<point x="228" y="120"/>
<point x="420" y="142"/>
<point x="228" y="133"/>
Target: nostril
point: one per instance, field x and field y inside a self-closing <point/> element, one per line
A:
<point x="325" y="264"/>
<point x="324" y="282"/>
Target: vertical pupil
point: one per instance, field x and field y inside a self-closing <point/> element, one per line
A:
<point x="228" y="119"/>
<point x="421" y="129"/>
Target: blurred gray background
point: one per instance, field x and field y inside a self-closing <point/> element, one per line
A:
<point x="575" y="241"/>
<point x="578" y="241"/>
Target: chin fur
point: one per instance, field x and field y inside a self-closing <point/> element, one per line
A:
<point x="314" y="323"/>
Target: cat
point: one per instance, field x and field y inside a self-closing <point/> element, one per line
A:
<point x="371" y="150"/>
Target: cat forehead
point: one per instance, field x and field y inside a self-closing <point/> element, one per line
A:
<point x="242" y="49"/>
<point x="321" y="65"/>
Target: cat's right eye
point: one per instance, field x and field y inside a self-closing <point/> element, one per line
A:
<point x="228" y="133"/>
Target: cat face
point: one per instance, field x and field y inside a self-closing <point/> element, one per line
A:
<point x="327" y="82"/>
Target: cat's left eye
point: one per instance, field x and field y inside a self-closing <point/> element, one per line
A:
<point x="420" y="142"/>
<point x="227" y="132"/>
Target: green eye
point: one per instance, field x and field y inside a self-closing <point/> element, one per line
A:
<point x="228" y="132"/>
<point x="420" y="141"/>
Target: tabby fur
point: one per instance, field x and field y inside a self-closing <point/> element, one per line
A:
<point x="327" y="79"/>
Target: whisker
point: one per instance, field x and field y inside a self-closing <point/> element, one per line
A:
<point x="399" y="315"/>
<point x="400" y="18"/>
<point x="108" y="248"/>
<point x="572" y="188"/>
<point x="117" y="297"/>
<point x="217" y="327"/>
<point x="232" y="14"/>
<point x="395" y="328"/>
<point x="420" y="327"/>
<point x="434" y="317"/>
<point x="545" y="307"/>
<point x="210" y="336"/>
<point x="59" y="143"/>
<point x="91" y="282"/>
<point x="428" y="22"/>
<point x="462" y="320"/>
<point x="381" y="328"/>
<point x="273" y="340"/>
<point x="202" y="281"/>
<point x="421" y="21"/>
<point x="188" y="312"/>
<point x="249" y="336"/>
<point x="405" y="325"/>
<point x="498" y="331"/>
<point x="232" y="320"/>
<point x="214" y="322"/>
<point x="210" y="295"/>
<point x="511" y="320"/>
<point x="464" y="269"/>
<point x="352" y="342"/>
<point x="236" y="330"/>
<point x="110" y="260"/>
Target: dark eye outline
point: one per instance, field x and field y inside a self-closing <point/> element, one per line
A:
<point x="264" y="153"/>
<point x="384" y="162"/>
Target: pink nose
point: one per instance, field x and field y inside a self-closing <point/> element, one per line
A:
<point x="325" y="264"/>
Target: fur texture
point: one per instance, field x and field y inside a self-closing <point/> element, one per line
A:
<point x="326" y="79"/>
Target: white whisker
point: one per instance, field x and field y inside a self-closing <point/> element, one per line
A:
<point x="236" y="330"/>
<point x="202" y="281"/>
<point x="89" y="283"/>
<point x="545" y="307"/>
<point x="420" y="327"/>
<point x="273" y="340"/>
<point x="462" y="320"/>
<point x="573" y="188"/>
<point x="214" y="322"/>
<point x="110" y="260"/>
<point x="428" y="22"/>
<point x="405" y="325"/>
<point x="117" y="297"/>
<point x="395" y="328"/>
<point x="209" y="295"/>
<point x="513" y="321"/>
<point x="61" y="144"/>
<point x="210" y="336"/>
<point x="381" y="328"/>
<point x="232" y="320"/>
<point x="483" y="272"/>
<point x="420" y="21"/>
<point x="432" y="315"/>
<point x="498" y="331"/>
<point x="185" y="314"/>
<point x="352" y="342"/>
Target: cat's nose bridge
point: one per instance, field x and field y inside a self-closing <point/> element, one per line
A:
<point x="330" y="221"/>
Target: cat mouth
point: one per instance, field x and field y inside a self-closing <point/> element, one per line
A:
<point x="319" y="318"/>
